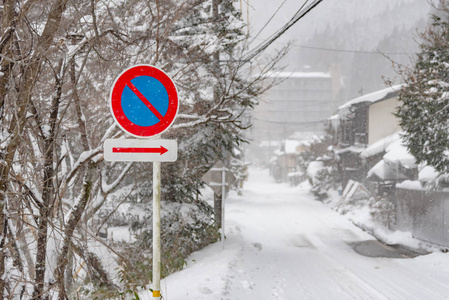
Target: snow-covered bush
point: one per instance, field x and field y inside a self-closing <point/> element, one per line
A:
<point x="184" y="228"/>
<point x="383" y="212"/>
<point x="320" y="167"/>
<point x="315" y="172"/>
<point x="321" y="178"/>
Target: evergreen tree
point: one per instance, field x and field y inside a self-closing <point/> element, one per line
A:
<point x="425" y="96"/>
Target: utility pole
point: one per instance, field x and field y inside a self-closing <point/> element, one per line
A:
<point x="216" y="64"/>
<point x="247" y="17"/>
<point x="216" y="55"/>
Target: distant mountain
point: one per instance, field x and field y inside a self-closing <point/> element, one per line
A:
<point x="365" y="43"/>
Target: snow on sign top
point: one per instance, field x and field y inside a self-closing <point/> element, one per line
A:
<point x="144" y="101"/>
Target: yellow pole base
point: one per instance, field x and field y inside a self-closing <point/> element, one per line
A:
<point x="156" y="294"/>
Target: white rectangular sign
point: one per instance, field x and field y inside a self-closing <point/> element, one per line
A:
<point x="140" y="150"/>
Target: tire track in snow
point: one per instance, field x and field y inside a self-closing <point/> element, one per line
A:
<point x="348" y="280"/>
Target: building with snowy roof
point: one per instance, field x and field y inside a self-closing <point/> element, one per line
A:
<point x="359" y="124"/>
<point x="286" y="161"/>
<point x="369" y="118"/>
<point x="299" y="103"/>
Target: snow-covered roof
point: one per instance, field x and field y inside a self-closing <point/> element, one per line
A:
<point x="428" y="173"/>
<point x="269" y="144"/>
<point x="398" y="153"/>
<point x="352" y="148"/>
<point x="385" y="172"/>
<point x="373" y="97"/>
<point x="290" y="147"/>
<point x="334" y="121"/>
<point x="306" y="137"/>
<point x="410" y="185"/>
<point x="297" y="75"/>
<point x="381" y="145"/>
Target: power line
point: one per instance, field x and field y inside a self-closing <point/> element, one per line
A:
<point x="268" y="22"/>
<point x="378" y="52"/>
<point x="298" y="15"/>
<point x="289" y="122"/>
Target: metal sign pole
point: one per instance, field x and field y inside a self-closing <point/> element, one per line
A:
<point x="223" y="197"/>
<point x="156" y="230"/>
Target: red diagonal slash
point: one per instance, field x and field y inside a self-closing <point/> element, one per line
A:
<point x="161" y="150"/>
<point x="144" y="100"/>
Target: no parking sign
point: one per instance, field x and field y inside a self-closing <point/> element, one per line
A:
<point x="144" y="101"/>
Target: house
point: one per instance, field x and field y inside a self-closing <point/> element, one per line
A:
<point x="375" y="164"/>
<point x="286" y="161"/>
<point x="361" y="123"/>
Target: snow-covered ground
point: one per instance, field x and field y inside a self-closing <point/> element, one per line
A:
<point x="282" y="244"/>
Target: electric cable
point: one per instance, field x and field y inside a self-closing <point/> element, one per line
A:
<point x="378" y="52"/>
<point x="298" y="16"/>
<point x="289" y="122"/>
<point x="268" y="22"/>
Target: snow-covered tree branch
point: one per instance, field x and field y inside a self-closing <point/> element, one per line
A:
<point x="58" y="60"/>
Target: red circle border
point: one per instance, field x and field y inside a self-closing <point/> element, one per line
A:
<point x="116" y="95"/>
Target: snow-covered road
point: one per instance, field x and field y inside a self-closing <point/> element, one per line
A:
<point x="283" y="244"/>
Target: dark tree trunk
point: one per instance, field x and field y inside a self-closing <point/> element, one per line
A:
<point x="217" y="210"/>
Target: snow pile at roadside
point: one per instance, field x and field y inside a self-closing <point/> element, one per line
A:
<point x="373" y="216"/>
<point x="363" y="217"/>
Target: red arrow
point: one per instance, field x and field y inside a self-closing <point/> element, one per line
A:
<point x="161" y="150"/>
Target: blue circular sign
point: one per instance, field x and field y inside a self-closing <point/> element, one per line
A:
<point x="136" y="110"/>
